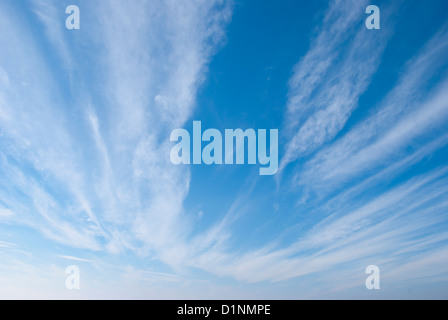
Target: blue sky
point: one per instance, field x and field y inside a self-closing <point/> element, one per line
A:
<point x="86" y="179"/>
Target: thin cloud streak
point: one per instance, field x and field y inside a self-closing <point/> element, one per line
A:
<point x="367" y="232"/>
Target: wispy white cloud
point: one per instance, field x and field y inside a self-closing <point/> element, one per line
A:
<point x="327" y="83"/>
<point x="105" y="183"/>
<point x="7" y="244"/>
<point x="406" y="113"/>
<point x="309" y="73"/>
